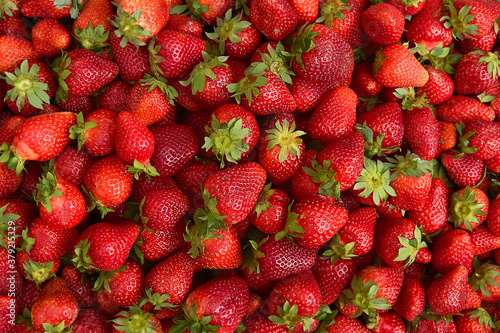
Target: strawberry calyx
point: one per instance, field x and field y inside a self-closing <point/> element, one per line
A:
<point x="428" y="314"/>
<point x="460" y="22"/>
<point x="292" y="228"/>
<point x="411" y="3"/>
<point x="226" y="140"/>
<point x="409" y="100"/>
<point x="60" y="67"/>
<point x="437" y="56"/>
<point x="127" y="28"/>
<point x="25" y="317"/>
<point x="103" y="278"/>
<point x="159" y="301"/>
<point x="228" y="28"/>
<point x="47" y="189"/>
<point x="6" y="226"/>
<point x="303" y="42"/>
<point x="249" y="85"/>
<point x="332" y="9"/>
<point x="338" y="250"/>
<point x="372" y="147"/>
<point x="12" y="160"/>
<point x="134" y="320"/>
<point x="463" y="142"/>
<point x="81" y="259"/>
<point x="251" y="255"/>
<point x="77" y="132"/>
<point x="286" y="138"/>
<point x="90" y="38"/>
<point x="59" y="328"/>
<point x="193" y="8"/>
<point x="6" y="8"/>
<point x="26" y="86"/>
<point x="323" y="175"/>
<point x="160" y="83"/>
<point x="409" y="165"/>
<point x="38" y="272"/>
<point x="410" y="247"/>
<point x="277" y="61"/>
<point x="375" y="180"/>
<point x="76" y="6"/>
<point x="326" y="318"/>
<point x="198" y="77"/>
<point x="464" y="209"/>
<point x="262" y="204"/>
<point x="288" y="316"/>
<point x="483" y="276"/>
<point x="491" y="61"/>
<point x="483" y="318"/>
<point x="363" y="297"/>
<point x="142" y="168"/>
<point x="188" y="320"/>
<point x="91" y="202"/>
<point x="26" y="242"/>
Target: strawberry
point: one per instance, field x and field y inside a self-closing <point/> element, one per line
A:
<point x="334" y="116"/>
<point x="123" y="286"/>
<point x="105" y="246"/>
<point x="408" y="8"/>
<point x="9" y="311"/>
<point x="468" y="208"/>
<point x="427" y="28"/>
<point x="269" y="213"/>
<point x="50" y="37"/>
<point x="469" y="19"/>
<point x="411" y="299"/>
<point x="412" y="183"/>
<point x="114" y="96"/>
<point x="10" y="181"/>
<point x="11" y="8"/>
<point x="459" y="109"/>
<point x="396" y="66"/>
<point x="205" y="11"/>
<point x="388" y="322"/>
<point x="493" y="164"/>
<point x="484" y="281"/>
<point x="493" y="220"/>
<point x="439" y="88"/>
<point x="175" y="146"/>
<point x="39" y="138"/>
<point x="91" y="320"/>
<point x="157" y="245"/>
<point x="137" y="21"/>
<point x="356" y="236"/>
<point x="373" y="290"/>
<point x="231" y="134"/>
<point x="363" y="83"/>
<point x="185" y="24"/>
<point x="134" y="144"/>
<point x="80" y="286"/>
<point x="15" y="49"/>
<point x="71" y="165"/>
<point x="9" y="127"/>
<point x="484" y="240"/>
<point x="135" y="318"/>
<point x="447" y="295"/>
<point x="29" y="87"/>
<point x="92" y="26"/>
<point x="275" y="19"/>
<point x="294" y="301"/>
<point x="398" y="242"/>
<point x="169" y="282"/>
<point x="451" y="249"/>
<point x="342" y="323"/>
<point x="485" y="139"/>
<point x="81" y="72"/>
<point x="421" y="131"/>
<point x="96" y="132"/>
<point x="56" y="308"/>
<point x="434" y="214"/>
<point x="17" y="214"/>
<point x="162" y="209"/>
<point x="332" y="277"/>
<point x="429" y="322"/>
<point x="61" y="203"/>
<point x="109" y="183"/>
<point x="283" y="150"/>
<point x="133" y="62"/>
<point x="307" y="11"/>
<point x="476" y="72"/>
<point x="477" y="320"/>
<point x="313" y="221"/>
<point x="47" y="8"/>
<point x="465" y="170"/>
<point x="175" y="53"/>
<point x="383" y="23"/>
<point x="208" y="305"/>
<point x="447" y="136"/>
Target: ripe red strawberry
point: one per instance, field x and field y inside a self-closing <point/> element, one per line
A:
<point x="362" y="297"/>
<point x="313" y="221"/>
<point x="114" y="96"/>
<point x="421" y="131"/>
<point x="133" y="62"/>
<point x="383" y="23"/>
<point x="15" y="49"/>
<point x="439" y="88"/>
<point x="10" y="181"/>
<point x="135" y="318"/>
<point x="61" y="203"/>
<point x="221" y="302"/>
<point x="478" y="320"/>
<point x="466" y="170"/>
<point x="470" y="19"/>
<point x="39" y="138"/>
<point x="429" y="322"/>
<point x="434" y="214"/>
<point x="109" y="183"/>
<point x="493" y="164"/>
<point x="96" y="133"/>
<point x="162" y="209"/>
<point x="270" y="211"/>
<point x="56" y="307"/>
<point x="484" y="281"/>
<point x="363" y="83"/>
<point x="461" y="109"/>
<point x="105" y="246"/>
<point x="50" y="37"/>
<point x="29" y="88"/>
<point x="398" y="242"/>
<point x="447" y="295"/>
<point x="411" y="299"/>
<point x="9" y="127"/>
<point x="342" y="323"/>
<point x="80" y="286"/>
<point x="294" y="300"/>
<point x="412" y="183"/>
<point x="71" y="165"/>
<point x="396" y="66"/>
<point x="451" y="249"/>
<point x="485" y="139"/>
<point x="493" y="220"/>
<point x="275" y="19"/>
<point x="169" y="283"/>
<point x="484" y="240"/>
<point x="157" y="245"/>
<point x="45" y="8"/>
<point x="134" y="144"/>
<point x="476" y="71"/>
<point x="411" y="8"/>
<point x="447" y="136"/>
<point x="332" y="276"/>
<point x="20" y="214"/>
<point x="468" y="208"/>
<point x="138" y="20"/>
<point x="124" y="286"/>
<point x="388" y="322"/>
<point x="92" y="26"/>
<point x="91" y="320"/>
<point x="427" y="28"/>
<point x="81" y="72"/>
<point x="356" y="236"/>
<point x="178" y="22"/>
<point x="334" y="116"/>
<point x="175" y="146"/>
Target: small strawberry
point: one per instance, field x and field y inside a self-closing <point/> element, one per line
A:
<point x="133" y="62"/>
<point x="136" y="319"/>
<point x="96" y="132"/>
<point x="15" y="49"/>
<point x="332" y="276"/>
<point x="275" y="19"/>
<point x="460" y="109"/>
<point x="421" y="131"/>
<point x="383" y="23"/>
<point x="270" y="211"/>
<point x="484" y="280"/>
<point x="439" y="88"/>
<point x="50" y="37"/>
<point x="411" y="299"/>
<point x="162" y="209"/>
<point x="463" y="170"/>
<point x="71" y="165"/>
<point x="123" y="286"/>
<point x="157" y="245"/>
<point x="476" y="72"/>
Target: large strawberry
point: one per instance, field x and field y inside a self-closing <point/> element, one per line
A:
<point x="275" y="19"/>
<point x="92" y="26"/>
<point x="447" y="295"/>
<point x="451" y="249"/>
<point x="39" y="138"/>
<point x="383" y="23"/>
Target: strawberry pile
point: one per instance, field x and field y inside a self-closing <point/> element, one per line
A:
<point x="259" y="166"/>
